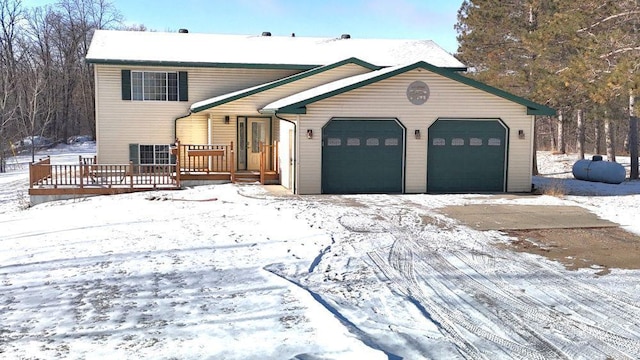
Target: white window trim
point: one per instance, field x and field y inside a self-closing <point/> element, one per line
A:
<point x="166" y="80"/>
<point x="155" y="154"/>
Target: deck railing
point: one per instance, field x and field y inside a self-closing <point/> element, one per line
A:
<point x="45" y="175"/>
<point x="207" y="162"/>
<point x="40" y="170"/>
<point x="268" y="160"/>
<point x="194" y="158"/>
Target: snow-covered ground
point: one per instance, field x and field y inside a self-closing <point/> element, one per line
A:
<point x="237" y="272"/>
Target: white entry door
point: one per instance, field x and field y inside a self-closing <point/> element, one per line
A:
<point x="258" y="131"/>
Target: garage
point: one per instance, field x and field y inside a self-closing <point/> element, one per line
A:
<point x="467" y="155"/>
<point x="362" y="156"/>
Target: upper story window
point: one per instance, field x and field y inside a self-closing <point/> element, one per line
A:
<point x="154" y="85"/>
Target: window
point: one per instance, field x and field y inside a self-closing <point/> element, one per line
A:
<point x="154" y="154"/>
<point x="475" y="142"/>
<point x="154" y="85"/>
<point x="151" y="85"/>
<point x="391" y="142"/>
<point x="334" y="142"/>
<point x="373" y="142"/>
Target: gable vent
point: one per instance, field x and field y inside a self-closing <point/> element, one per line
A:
<point x="266" y="33"/>
<point x="345" y="36"/>
<point x="183" y="31"/>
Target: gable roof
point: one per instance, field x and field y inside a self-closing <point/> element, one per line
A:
<point x="296" y="104"/>
<point x="215" y="50"/>
<point x="223" y="99"/>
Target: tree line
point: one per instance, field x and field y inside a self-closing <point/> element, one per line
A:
<point x="46" y="87"/>
<point x="581" y="58"/>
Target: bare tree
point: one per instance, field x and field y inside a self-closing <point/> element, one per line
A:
<point x="11" y="14"/>
<point x="633" y="135"/>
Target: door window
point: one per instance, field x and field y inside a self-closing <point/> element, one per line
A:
<point x="257" y="135"/>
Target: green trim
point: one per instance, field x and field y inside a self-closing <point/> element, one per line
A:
<point x="134" y="153"/>
<point x="126" y="84"/>
<point x="532" y="107"/>
<point x="292" y="109"/>
<point x="201" y="64"/>
<point x="183" y="86"/>
<point x="287" y="80"/>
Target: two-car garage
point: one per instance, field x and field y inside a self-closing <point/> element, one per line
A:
<point x="368" y="156"/>
<point x="412" y="128"/>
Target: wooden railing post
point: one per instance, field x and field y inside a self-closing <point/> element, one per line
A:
<point x="276" y="158"/>
<point x="232" y="164"/>
<point x="262" y="162"/>
<point x="131" y="174"/>
<point x="82" y="172"/>
<point x="178" y="163"/>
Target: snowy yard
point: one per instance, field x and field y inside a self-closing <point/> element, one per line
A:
<point x="237" y="272"/>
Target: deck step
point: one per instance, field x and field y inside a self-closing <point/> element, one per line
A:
<point x="247" y="178"/>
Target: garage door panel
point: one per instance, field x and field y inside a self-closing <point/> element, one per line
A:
<point x="466" y="156"/>
<point x="362" y="156"/>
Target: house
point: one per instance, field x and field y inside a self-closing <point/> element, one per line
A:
<point x="325" y="115"/>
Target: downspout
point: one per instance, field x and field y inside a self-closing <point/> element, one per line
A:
<point x="295" y="147"/>
<point x="175" y="124"/>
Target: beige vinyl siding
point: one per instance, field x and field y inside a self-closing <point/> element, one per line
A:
<point x="251" y="104"/>
<point x="387" y="99"/>
<point x="120" y="122"/>
<point x="192" y="130"/>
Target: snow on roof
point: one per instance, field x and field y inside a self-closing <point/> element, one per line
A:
<point x="219" y="100"/>
<point x="110" y="46"/>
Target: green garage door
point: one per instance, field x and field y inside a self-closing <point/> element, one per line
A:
<point x="467" y="156"/>
<point x="362" y="156"/>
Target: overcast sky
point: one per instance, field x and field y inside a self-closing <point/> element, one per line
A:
<point x="400" y="19"/>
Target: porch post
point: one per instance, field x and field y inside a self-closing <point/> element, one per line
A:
<point x="209" y="140"/>
<point x="131" y="174"/>
<point x="178" y="163"/>
<point x="232" y="165"/>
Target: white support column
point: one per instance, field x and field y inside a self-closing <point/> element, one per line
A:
<point x="209" y="136"/>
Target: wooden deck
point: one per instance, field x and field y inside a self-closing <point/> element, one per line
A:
<point x="193" y="162"/>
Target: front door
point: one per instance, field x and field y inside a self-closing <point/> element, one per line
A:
<point x="258" y="131"/>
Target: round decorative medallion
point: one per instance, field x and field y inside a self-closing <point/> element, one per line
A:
<point x="418" y="93"/>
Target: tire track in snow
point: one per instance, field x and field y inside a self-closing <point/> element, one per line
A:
<point x="535" y="312"/>
<point x="513" y="303"/>
<point x="403" y="257"/>
<point x="403" y="285"/>
<point x="449" y="315"/>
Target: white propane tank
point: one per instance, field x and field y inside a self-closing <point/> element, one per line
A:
<point x="599" y="171"/>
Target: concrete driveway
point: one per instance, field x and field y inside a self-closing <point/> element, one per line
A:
<point x="525" y="217"/>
